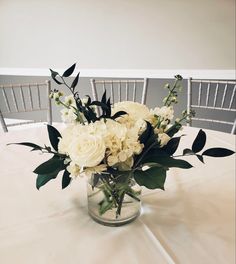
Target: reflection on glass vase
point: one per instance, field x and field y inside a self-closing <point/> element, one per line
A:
<point x="113" y="204"/>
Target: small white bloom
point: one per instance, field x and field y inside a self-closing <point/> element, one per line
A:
<point x="164" y="112"/>
<point x="69" y="100"/>
<point x="112" y="160"/>
<point x="163" y="139"/>
<point x="122" y="156"/>
<point x="73" y="169"/>
<point x="68" y="115"/>
<point x="97" y="169"/>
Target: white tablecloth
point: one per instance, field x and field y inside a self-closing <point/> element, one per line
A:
<point x="193" y="221"/>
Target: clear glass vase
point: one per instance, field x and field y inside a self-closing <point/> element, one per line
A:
<point x="110" y="205"/>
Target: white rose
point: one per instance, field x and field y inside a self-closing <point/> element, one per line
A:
<point x="87" y="150"/>
<point x="64" y="142"/>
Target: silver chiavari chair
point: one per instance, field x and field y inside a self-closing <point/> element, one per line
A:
<point x="212" y="95"/>
<point x="121" y="90"/>
<point x="20" y="99"/>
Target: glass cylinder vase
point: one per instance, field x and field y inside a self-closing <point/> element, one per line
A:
<point x="113" y="204"/>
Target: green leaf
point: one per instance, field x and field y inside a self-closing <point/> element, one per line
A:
<point x="199" y="141"/>
<point x="105" y="205"/>
<point x="218" y="152"/>
<point x="97" y="103"/>
<point x="66" y="179"/>
<point x="168" y="162"/>
<point x="172" y="146"/>
<point x="28" y="144"/>
<point x="108" y="111"/>
<point x="118" y="114"/>
<point x="173" y="129"/>
<point x="69" y="71"/>
<point x="53" y="75"/>
<point x="54" y="136"/>
<point x="104" y="97"/>
<point x="200" y="157"/>
<point x="187" y="152"/>
<point x="147" y="133"/>
<point x="153" y="178"/>
<point x="42" y="179"/>
<point x="74" y="83"/>
<point x="50" y="166"/>
<point x="95" y="179"/>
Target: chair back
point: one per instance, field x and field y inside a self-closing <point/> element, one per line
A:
<point x="212" y="99"/>
<point x="20" y="99"/>
<point x="121" y="90"/>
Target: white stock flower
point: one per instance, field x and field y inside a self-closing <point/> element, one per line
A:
<point x="164" y="112"/>
<point x="73" y="169"/>
<point x="68" y="115"/>
<point x="97" y="169"/>
<point x="163" y="139"/>
<point x="69" y="100"/>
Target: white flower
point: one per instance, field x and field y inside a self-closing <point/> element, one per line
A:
<point x="65" y="141"/>
<point x="134" y="110"/>
<point x="97" y="169"/>
<point x="68" y="115"/>
<point x="163" y="139"/>
<point x="69" y="100"/>
<point x="164" y="112"/>
<point x="87" y="150"/>
<point x="73" y="169"/>
<point x="112" y="160"/>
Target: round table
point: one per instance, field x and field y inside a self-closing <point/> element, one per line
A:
<point x="192" y="221"/>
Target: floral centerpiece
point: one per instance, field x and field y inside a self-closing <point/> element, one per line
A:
<point x="124" y="147"/>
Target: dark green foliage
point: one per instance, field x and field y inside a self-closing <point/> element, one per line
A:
<point x="218" y="152"/>
<point x="199" y="141"/>
<point x="54" y="136"/>
<point x="51" y="165"/>
<point x="152" y="178"/>
<point x="28" y="144"/>
<point x="66" y="179"/>
<point x="69" y="71"/>
<point x="172" y="146"/>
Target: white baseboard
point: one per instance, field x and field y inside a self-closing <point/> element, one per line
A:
<point x="132" y="73"/>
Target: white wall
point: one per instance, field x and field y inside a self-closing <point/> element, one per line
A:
<point x="124" y="34"/>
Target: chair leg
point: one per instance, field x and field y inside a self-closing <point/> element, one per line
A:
<point x="233" y="131"/>
<point x="4" y="126"/>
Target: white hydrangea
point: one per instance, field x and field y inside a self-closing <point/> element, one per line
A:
<point x="134" y="110"/>
<point x="88" y="146"/>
